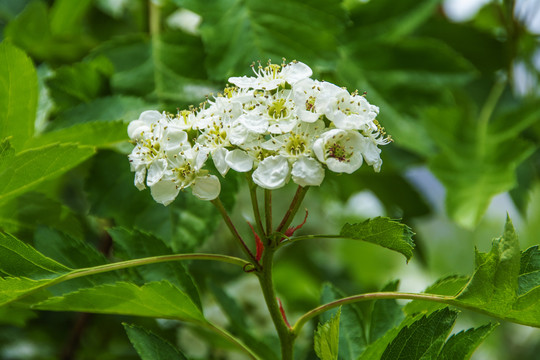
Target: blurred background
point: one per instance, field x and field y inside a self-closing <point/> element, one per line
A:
<point x="457" y="83"/>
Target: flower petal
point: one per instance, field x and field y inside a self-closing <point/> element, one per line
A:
<point x="272" y="173"/>
<point x="206" y="187"/>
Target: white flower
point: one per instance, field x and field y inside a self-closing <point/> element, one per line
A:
<point x="272" y="173"/>
<point x="340" y="150"/>
<point x="273" y="113"/>
<point x="272" y="76"/>
<point x="307" y="171"/>
<point x="296" y="143"/>
<point x="309" y="106"/>
<point x="348" y="112"/>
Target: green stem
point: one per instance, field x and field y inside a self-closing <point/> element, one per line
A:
<point x="293" y="209"/>
<point x="219" y="205"/>
<point x="154" y="18"/>
<point x="449" y="300"/>
<point x="151" y="260"/>
<point x="485" y="115"/>
<point x="233" y="340"/>
<point x="268" y="210"/>
<point x="286" y="336"/>
<point x="255" y="204"/>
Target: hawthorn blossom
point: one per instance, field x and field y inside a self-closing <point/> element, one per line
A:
<point x="276" y="126"/>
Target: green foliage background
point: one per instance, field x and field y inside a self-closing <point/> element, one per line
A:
<point x="75" y="72"/>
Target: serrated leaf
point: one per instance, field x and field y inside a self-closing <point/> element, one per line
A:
<point x="494" y="288"/>
<point x="450" y="285"/>
<point x="19" y="259"/>
<point x="136" y="244"/>
<point x="326" y="340"/>
<point x="384" y="232"/>
<point x="31" y="167"/>
<point x="149" y="346"/>
<point x="460" y="346"/>
<point x="386" y="314"/>
<point x="235" y="33"/>
<point x="13" y="288"/>
<point x="18" y="95"/>
<point x="156" y="299"/>
<point x="97" y="134"/>
<point x="376" y="349"/>
<point x="422" y="339"/>
<point x="352" y="333"/>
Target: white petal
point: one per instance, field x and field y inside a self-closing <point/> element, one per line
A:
<point x="243" y="82"/>
<point x="155" y="171"/>
<point x="206" y="187"/>
<point x="255" y="123"/>
<point x="136" y="128"/>
<point x="296" y="71"/>
<point x="239" y="160"/>
<point x="372" y="155"/>
<point x="272" y="173"/>
<point x="350" y="166"/>
<point x="164" y="191"/>
<point x="307" y="172"/>
<point x="140" y="175"/>
<point x="175" y="140"/>
<point x="219" y="160"/>
<point x="150" y="116"/>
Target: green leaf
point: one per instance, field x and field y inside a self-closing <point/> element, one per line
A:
<point x="80" y="82"/>
<point x="384" y="232"/>
<point x="376" y="349"/>
<point x="19" y="259"/>
<point x="149" y="346"/>
<point x="97" y="134"/>
<point x="106" y="109"/>
<point x="136" y="244"/>
<point x="31" y="30"/>
<point x="18" y="95"/>
<point x="494" y="288"/>
<point x="182" y="225"/>
<point x="10" y="315"/>
<point x="13" y="288"/>
<point x="422" y="339"/>
<point x="235" y="33"/>
<point x="460" y="346"/>
<point x="386" y="315"/>
<point x="352" y="333"/>
<point x="66" y="16"/>
<point x="475" y="165"/>
<point x="450" y="286"/>
<point x="326" y="340"/>
<point x="239" y="326"/>
<point x="22" y="214"/>
<point x="156" y="299"/>
<point x="494" y="283"/>
<point x="31" y="167"/>
<point x="388" y="19"/>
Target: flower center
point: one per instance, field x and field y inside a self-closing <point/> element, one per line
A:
<point x="337" y="151"/>
<point x="184" y="173"/>
<point x="310" y="104"/>
<point x="296" y="145"/>
<point x="278" y="109"/>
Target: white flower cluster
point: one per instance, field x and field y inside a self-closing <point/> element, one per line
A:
<point x="280" y="124"/>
